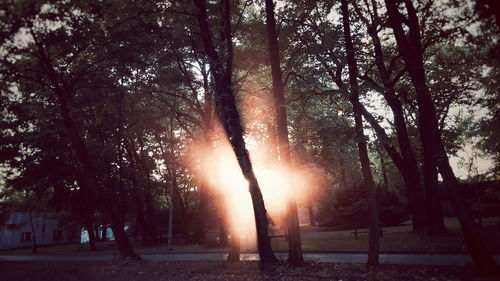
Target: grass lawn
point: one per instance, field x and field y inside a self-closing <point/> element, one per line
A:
<point x="395" y="239"/>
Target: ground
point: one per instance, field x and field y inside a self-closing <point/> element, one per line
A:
<point x="159" y="271"/>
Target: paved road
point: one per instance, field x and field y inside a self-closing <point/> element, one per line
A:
<point x="420" y="259"/>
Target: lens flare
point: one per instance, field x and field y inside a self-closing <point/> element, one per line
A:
<point x="215" y="162"/>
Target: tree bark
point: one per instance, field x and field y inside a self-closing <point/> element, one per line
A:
<point x="199" y="234"/>
<point x="150" y="215"/>
<point x="140" y="224"/>
<point x="410" y="172"/>
<point x="312" y="219"/>
<point x="230" y="118"/>
<point x="148" y="196"/>
<point x="434" y="213"/>
<point x="90" y="230"/>
<point x="33" y="239"/>
<point x="295" y="257"/>
<point x="234" y="251"/>
<point x="223" y="239"/>
<point x="142" y="183"/>
<point x="411" y="50"/>
<point x="383" y="169"/>
<point x="200" y="229"/>
<point x="343" y="176"/>
<point x="104" y="233"/>
<point x="179" y="206"/>
<point x="374" y="238"/>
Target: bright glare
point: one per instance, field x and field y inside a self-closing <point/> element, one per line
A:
<point x="220" y="169"/>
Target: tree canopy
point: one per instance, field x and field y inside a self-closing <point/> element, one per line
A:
<point x="117" y="112"/>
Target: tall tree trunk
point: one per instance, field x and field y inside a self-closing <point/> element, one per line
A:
<point x="294" y="244"/>
<point x="140" y="224"/>
<point x="343" y="176"/>
<point x="200" y="230"/>
<point x="411" y="50"/>
<point x="374" y="238"/>
<point x="383" y="169"/>
<point x="90" y="230"/>
<point x="104" y="233"/>
<point x="230" y="118"/>
<point x="148" y="196"/>
<point x="179" y="207"/>
<point x="223" y="240"/>
<point x="86" y="212"/>
<point x="312" y="219"/>
<point x="434" y="212"/>
<point x="234" y="243"/>
<point x="142" y="181"/>
<point x="33" y="238"/>
<point x="410" y="173"/>
<point x="139" y="200"/>
<point x="144" y="200"/>
<point x="409" y="167"/>
<point x="171" y="209"/>
<point x="150" y="215"/>
<point x="234" y="251"/>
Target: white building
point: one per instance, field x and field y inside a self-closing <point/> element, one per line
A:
<point x="16" y="231"/>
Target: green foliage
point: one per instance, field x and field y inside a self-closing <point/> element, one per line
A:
<point x="489" y="124"/>
<point x="138" y="89"/>
<point x="348" y="208"/>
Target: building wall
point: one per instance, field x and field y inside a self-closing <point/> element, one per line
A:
<point x="16" y="232"/>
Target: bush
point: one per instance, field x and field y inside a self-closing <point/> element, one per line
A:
<point x="348" y="208"/>
<point x="391" y="210"/>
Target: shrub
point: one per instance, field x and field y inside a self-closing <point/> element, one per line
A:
<point x="349" y="209"/>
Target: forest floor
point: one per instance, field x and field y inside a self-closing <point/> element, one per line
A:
<point x="398" y="239"/>
<point x="212" y="270"/>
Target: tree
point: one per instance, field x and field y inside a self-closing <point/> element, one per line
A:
<point x="60" y="72"/>
<point x="374" y="239"/>
<point x="401" y="160"/>
<point x="229" y="116"/>
<point x="408" y="163"/>
<point x="410" y="48"/>
<point x="294" y="244"/>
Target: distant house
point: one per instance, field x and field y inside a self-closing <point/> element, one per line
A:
<point x="16" y="231"/>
